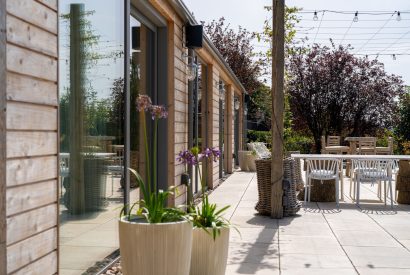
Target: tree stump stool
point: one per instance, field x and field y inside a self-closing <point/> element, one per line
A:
<point x="321" y="191"/>
<point x="403" y="182"/>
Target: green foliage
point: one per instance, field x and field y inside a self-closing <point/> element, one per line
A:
<point x="208" y="217"/>
<point x="300" y="143"/>
<point x="152" y="207"/>
<point x="259" y="136"/>
<point x="403" y="127"/>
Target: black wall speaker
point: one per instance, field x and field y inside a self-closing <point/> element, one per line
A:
<point x="135" y="38"/>
<point x="193" y="36"/>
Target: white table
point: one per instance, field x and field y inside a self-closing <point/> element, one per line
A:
<point x="96" y="155"/>
<point x="350" y="157"/>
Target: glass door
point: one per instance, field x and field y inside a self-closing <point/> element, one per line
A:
<point x="198" y="121"/>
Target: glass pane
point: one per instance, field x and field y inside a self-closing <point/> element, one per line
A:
<point x="92" y="133"/>
<point x="141" y="82"/>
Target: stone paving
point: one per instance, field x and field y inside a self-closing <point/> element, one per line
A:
<point x="372" y="239"/>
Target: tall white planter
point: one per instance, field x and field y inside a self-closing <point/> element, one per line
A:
<point x="155" y="249"/>
<point x="251" y="162"/>
<point x="209" y="257"/>
<point x="243" y="162"/>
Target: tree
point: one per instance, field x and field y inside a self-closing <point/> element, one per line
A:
<point x="237" y="50"/>
<point x="333" y="92"/>
<point x="402" y="129"/>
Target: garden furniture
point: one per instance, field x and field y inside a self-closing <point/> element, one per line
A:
<point x="367" y="146"/>
<point x="386" y="150"/>
<point x="333" y="145"/>
<point x="322" y="169"/>
<point x="373" y="171"/>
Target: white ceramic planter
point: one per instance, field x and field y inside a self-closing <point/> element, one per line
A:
<point x="243" y="162"/>
<point x="209" y="257"/>
<point x="251" y="162"/>
<point x="155" y="249"/>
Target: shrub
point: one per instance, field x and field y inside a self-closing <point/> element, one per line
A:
<point x="293" y="142"/>
<point x="300" y="143"/>
<point x="259" y="136"/>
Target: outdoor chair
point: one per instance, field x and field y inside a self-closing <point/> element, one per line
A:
<point x="64" y="171"/>
<point x="116" y="168"/>
<point x="373" y="171"/>
<point x="333" y="145"/>
<point x="367" y="146"/>
<point x="386" y="150"/>
<point x="322" y="169"/>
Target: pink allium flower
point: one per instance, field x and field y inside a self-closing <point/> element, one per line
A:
<point x="158" y="111"/>
<point x="144" y="103"/>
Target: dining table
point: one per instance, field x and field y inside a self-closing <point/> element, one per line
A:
<point x="348" y="157"/>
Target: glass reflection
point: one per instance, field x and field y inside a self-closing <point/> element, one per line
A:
<point x="92" y="130"/>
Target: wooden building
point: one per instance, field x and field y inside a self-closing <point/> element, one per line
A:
<point x="68" y="112"/>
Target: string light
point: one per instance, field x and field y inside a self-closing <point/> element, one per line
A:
<point x="315" y="18"/>
<point x="398" y="18"/>
<point x="356" y="17"/>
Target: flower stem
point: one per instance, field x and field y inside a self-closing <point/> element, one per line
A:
<point x="154" y="165"/>
<point x="147" y="162"/>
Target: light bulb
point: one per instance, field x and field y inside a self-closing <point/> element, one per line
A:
<point x="191" y="72"/>
<point x="398" y="18"/>
<point x="356" y="17"/>
<point x="394" y="57"/>
<point x="315" y="18"/>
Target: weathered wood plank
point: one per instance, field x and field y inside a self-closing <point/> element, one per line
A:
<point x="32" y="90"/>
<point x="31" y="37"/>
<point x="3" y="104"/>
<point x="35" y="13"/>
<point x="21" y="171"/>
<point x="44" y="266"/>
<point x="49" y="3"/>
<point x="22" y="226"/>
<point x="30" y="63"/>
<point x="27" y="197"/>
<point x="22" y="116"/>
<point x="25" y="144"/>
<point x="29" y="250"/>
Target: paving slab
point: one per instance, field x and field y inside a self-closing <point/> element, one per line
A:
<point x="320" y="239"/>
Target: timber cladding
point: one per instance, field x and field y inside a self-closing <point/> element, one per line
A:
<point x="29" y="144"/>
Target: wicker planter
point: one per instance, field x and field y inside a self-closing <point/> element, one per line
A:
<point x="403" y="182"/>
<point x="209" y="256"/>
<point x="292" y="177"/>
<point x="155" y="249"/>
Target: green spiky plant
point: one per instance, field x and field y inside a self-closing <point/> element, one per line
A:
<point x="152" y="207"/>
<point x="206" y="216"/>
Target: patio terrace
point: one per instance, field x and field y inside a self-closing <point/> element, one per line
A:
<point x="372" y="239"/>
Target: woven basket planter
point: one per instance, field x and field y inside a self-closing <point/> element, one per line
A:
<point x="403" y="182"/>
<point x="290" y="201"/>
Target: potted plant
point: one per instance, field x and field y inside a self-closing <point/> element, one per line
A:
<point x="251" y="157"/>
<point x="211" y="230"/>
<point x="154" y="239"/>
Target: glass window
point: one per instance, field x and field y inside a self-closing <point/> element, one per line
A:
<point x="198" y="125"/>
<point x="92" y="130"/>
<point x="95" y="146"/>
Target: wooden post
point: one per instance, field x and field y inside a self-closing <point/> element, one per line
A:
<point x="3" y="170"/>
<point x="278" y="55"/>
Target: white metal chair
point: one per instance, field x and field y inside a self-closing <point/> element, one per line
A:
<point x="116" y="168"/>
<point x="373" y="171"/>
<point x="64" y="170"/>
<point x="322" y="169"/>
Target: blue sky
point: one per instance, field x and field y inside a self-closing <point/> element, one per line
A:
<point x="372" y="34"/>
